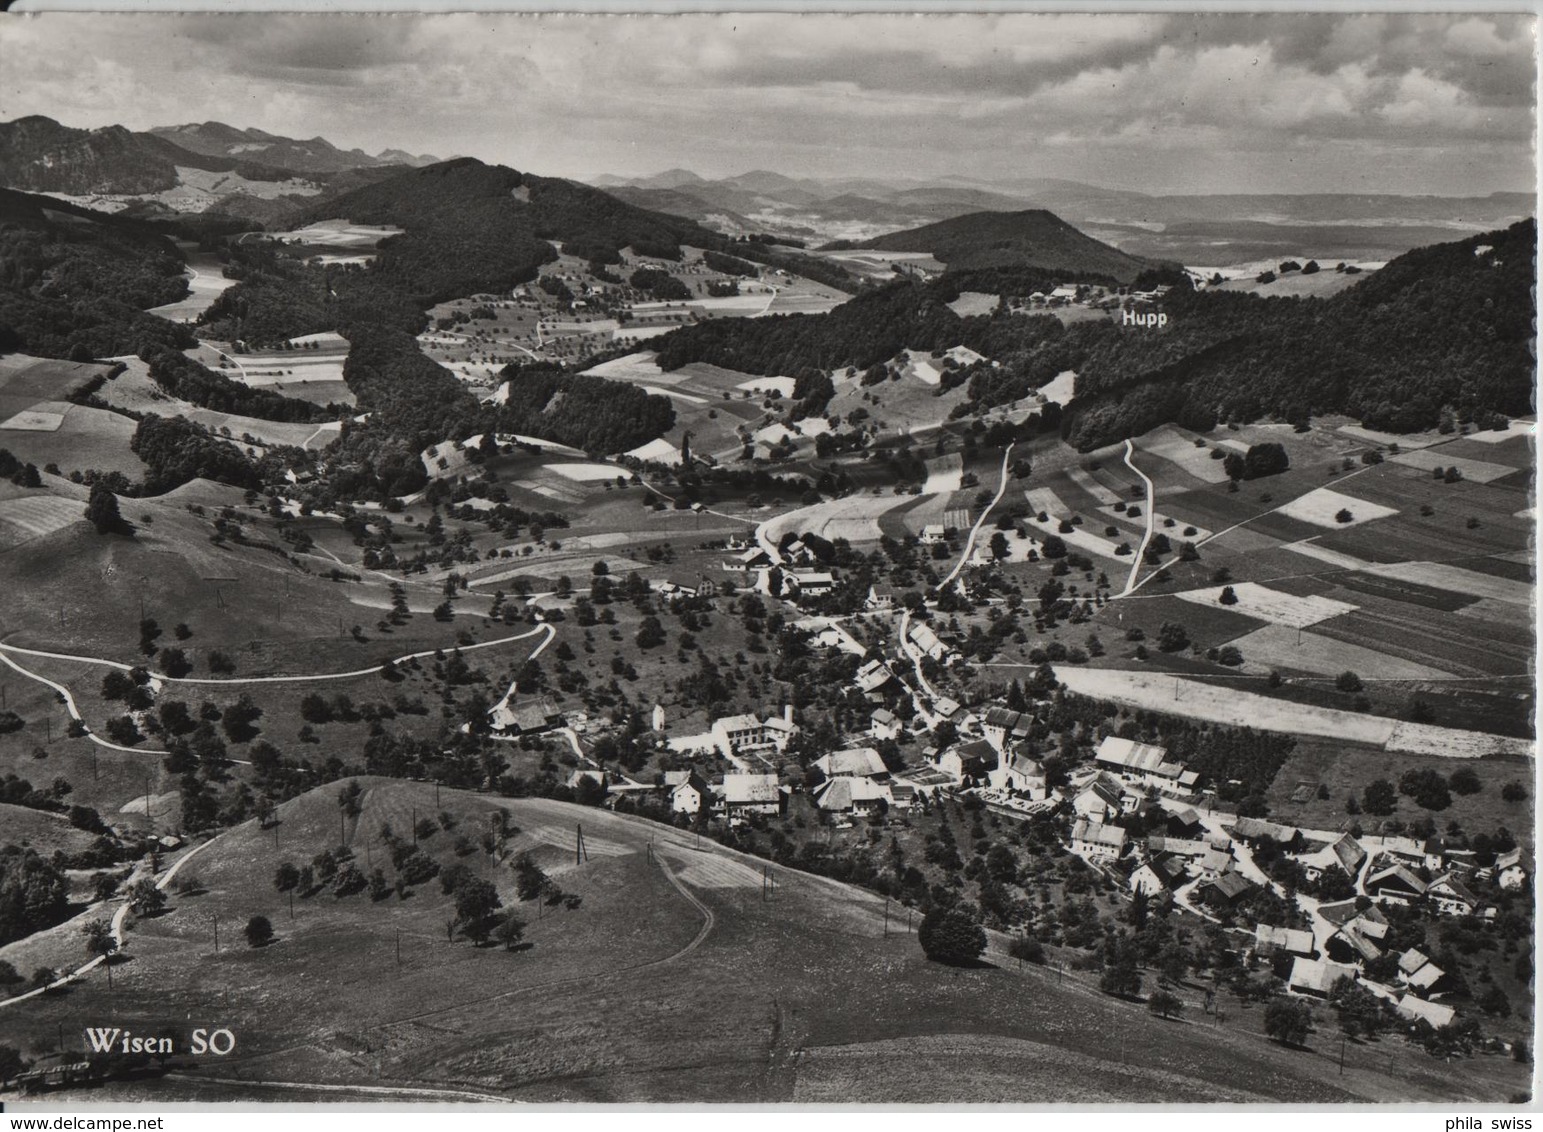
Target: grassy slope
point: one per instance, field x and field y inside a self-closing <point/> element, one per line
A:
<point x="651" y="991"/>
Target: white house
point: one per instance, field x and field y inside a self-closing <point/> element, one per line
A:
<point x="1098" y="843"/>
<point x="884" y="724"/>
<point x="881" y="599"/>
<point x="1098" y="801"/>
<point x="975" y="759"/>
<point x="1452" y="897"/>
<point x="737" y="734"/>
<point x="1160" y="873"/>
<point x="922" y="636"/>
<point x="688" y="791"/>
<point x="1316" y="977"/>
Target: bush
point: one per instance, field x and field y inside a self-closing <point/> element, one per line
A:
<point x="1427" y="788"/>
<point x="258" y="931"/>
<point x="1165" y="1004"/>
<point x="1348" y="682"/>
<point x="1379" y="798"/>
<point x="1288" y="1021"/>
<point x="952" y="936"/>
<point x="1028" y="949"/>
<point x="1513" y="792"/>
<point x="1464" y="781"/>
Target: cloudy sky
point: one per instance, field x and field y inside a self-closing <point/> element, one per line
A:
<point x="1165" y="103"/>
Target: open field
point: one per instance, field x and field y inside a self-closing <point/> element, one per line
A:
<point x="31" y="516"/>
<point x="638" y="994"/>
<point x="1246" y="709"/>
<point x="1278" y="646"/>
<point x="1325" y="508"/>
<point x="206" y="282"/>
<point x="1270" y="605"/>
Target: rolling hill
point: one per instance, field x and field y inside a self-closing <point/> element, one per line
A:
<point x="677" y="979"/>
<point x="313" y="155"/>
<point x="1030" y="238"/>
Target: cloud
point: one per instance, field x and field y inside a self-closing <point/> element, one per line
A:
<point x="1423" y="101"/>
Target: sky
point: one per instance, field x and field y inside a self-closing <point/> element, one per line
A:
<point x="1213" y="103"/>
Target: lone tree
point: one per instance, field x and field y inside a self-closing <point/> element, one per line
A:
<point x="1379" y="797"/>
<point x="1165" y="1004"/>
<point x="145" y="899"/>
<point x="951" y="935"/>
<point x="101" y="942"/>
<point x="1288" y="1021"/>
<point x="476" y="901"/>
<point x="102" y="512"/>
<point x="258" y="931"/>
<point x="509" y="931"/>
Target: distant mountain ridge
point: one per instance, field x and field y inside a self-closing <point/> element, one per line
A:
<point x="38" y="154"/>
<point x="312" y="155"/>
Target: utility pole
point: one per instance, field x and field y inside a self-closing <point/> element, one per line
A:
<point x="1342" y="1054"/>
<point x="216" y="933"/>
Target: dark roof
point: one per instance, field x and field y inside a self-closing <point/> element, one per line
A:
<point x="1231" y="885"/>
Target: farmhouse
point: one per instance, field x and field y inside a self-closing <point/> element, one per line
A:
<point x="528" y="718"/>
<point x="1394" y="885"/>
<point x="1251" y="831"/>
<point x="688" y="791"/>
<point x="1369" y="921"/>
<point x="1225" y="891"/>
<point x="1343" y="853"/>
<point x="883" y="724"/>
<point x="859" y="762"/>
<point x="752" y="794"/>
<point x="933" y="533"/>
<point x="746" y="561"/>
<point x="1003" y="726"/>
<point x="1416" y="971"/>
<point x="809" y="583"/>
<point x="737" y="734"/>
<point x="975" y="759"/>
<point x="1452" y="897"/>
<point x="1142" y="762"/>
<point x="1162" y="872"/>
<point x="1099" y="800"/>
<point x="1316" y="977"/>
<point x="1418" y="1010"/>
<point x="847" y="794"/>
<point x="1096" y="842"/>
<point x="1349" y="945"/>
<point x="1269" y="939"/>
<point x="873" y="675"/>
<point x="922" y="636"/>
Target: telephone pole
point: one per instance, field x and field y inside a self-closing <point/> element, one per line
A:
<point x="216" y="933"/>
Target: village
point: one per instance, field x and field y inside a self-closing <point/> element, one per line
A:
<point x="1153" y="829"/>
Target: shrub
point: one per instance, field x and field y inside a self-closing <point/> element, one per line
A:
<point x="952" y="936"/>
<point x="258" y="931"/>
<point x="1288" y="1021"/>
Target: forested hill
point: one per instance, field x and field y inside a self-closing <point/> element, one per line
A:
<point x="74" y="283"/>
<point x="1032" y="238"/>
<point x="1445" y="327"/>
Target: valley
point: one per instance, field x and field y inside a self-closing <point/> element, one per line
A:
<point x="482" y="636"/>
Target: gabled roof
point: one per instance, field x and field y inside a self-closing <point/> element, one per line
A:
<point x="978" y="752"/>
<point x="1108" y="794"/>
<point x="1358" y="942"/>
<point x="860" y="761"/>
<point x="883" y="717"/>
<point x="1449" y="885"/>
<point x="1369" y="920"/>
<point x="1249" y="829"/>
<point x="1287" y="939"/>
<point x="1344" y="852"/>
<point x="1024" y="767"/>
<point x="841" y="794"/>
<point x="1231" y="885"/>
<point x="1396" y="876"/>
<point x="736" y="723"/>
<point x="1317" y="975"/>
<point x="1418" y="1009"/>
<point x="1097" y="833"/>
<point x="1511" y="858"/>
<point x="750" y="789"/>
<point x="1167" y="868"/>
<point x="1130" y="755"/>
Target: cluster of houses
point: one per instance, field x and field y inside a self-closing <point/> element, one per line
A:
<point x="734" y="736"/>
<point x="853" y="781"/>
<point x="790" y="572"/>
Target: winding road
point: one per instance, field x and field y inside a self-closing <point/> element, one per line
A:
<point x="1131" y="584"/>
